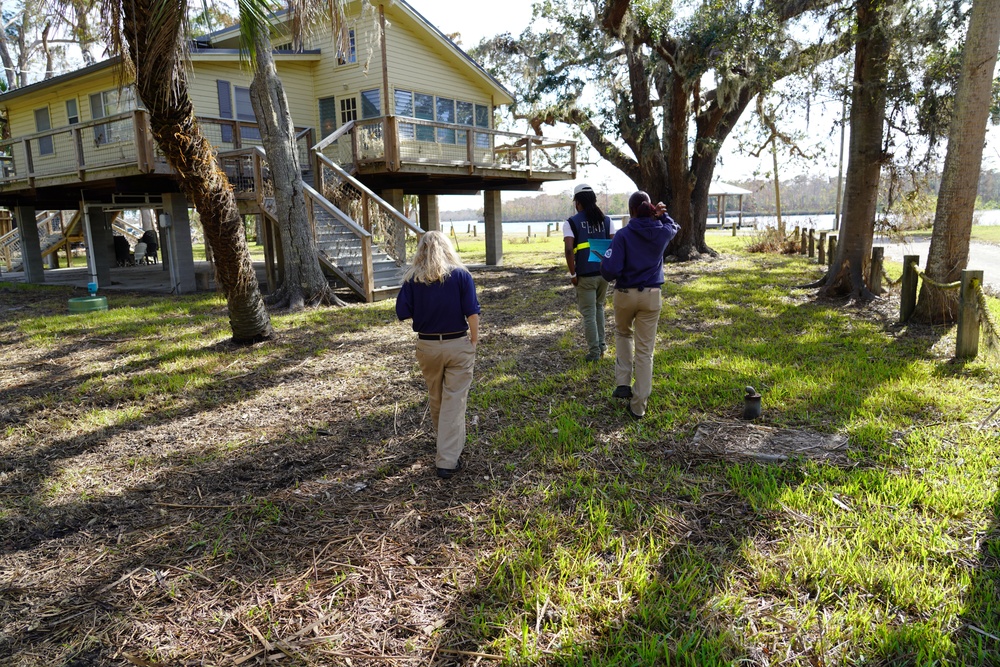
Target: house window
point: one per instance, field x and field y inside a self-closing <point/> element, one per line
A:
<point x="441" y="110"/>
<point x="225" y="109"/>
<point x="445" y="114"/>
<point x="483" y="121"/>
<point x="110" y="103"/>
<point x="72" y="113"/>
<point x="244" y="112"/>
<point x="348" y="109"/>
<point x="464" y="115"/>
<point x="327" y="116"/>
<point x="404" y="107"/>
<point x="371" y="103"/>
<point x="42" y="124"/>
<point x="423" y="108"/>
<point x="244" y="108"/>
<point x="347" y="52"/>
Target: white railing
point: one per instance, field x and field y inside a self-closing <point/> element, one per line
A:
<point x="397" y="141"/>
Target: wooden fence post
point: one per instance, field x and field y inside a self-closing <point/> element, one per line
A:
<point x="812" y="243"/>
<point x="908" y="287"/>
<point x="803" y="242"/>
<point x="831" y="250"/>
<point x="822" y="248"/>
<point x="967" y="336"/>
<point x="875" y="270"/>
<point x="734" y="229"/>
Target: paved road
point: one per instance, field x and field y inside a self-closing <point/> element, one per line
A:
<point x="982" y="257"/>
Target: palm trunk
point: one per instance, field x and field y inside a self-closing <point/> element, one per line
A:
<point x="161" y="83"/>
<point x="304" y="280"/>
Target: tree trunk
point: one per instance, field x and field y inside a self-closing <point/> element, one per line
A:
<point x="304" y="281"/>
<point x="949" y="252"/>
<point x="161" y="83"/>
<point x="846" y="276"/>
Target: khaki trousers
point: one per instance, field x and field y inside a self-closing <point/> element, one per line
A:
<point x="447" y="367"/>
<point x="636" y="316"/>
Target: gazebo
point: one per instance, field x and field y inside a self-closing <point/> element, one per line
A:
<point x="720" y="191"/>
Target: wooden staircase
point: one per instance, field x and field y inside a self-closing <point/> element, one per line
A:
<point x="368" y="257"/>
<point x="57" y="230"/>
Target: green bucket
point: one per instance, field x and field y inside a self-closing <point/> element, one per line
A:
<point x="86" y="304"/>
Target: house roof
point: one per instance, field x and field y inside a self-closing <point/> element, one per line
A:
<point x="59" y="80"/>
<point x="506" y="97"/>
<point x="717" y="188"/>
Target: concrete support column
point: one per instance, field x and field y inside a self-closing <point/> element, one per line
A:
<point x="393" y="197"/>
<point x="494" y="228"/>
<point x="100" y="245"/>
<point x="31" y="247"/>
<point x="430" y="214"/>
<point x="178" y="256"/>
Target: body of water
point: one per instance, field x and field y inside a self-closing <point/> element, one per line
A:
<point x="820" y="222"/>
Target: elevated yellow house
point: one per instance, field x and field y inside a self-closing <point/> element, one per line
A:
<point x="398" y="109"/>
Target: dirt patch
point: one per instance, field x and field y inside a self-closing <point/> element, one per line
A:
<point x="763" y="443"/>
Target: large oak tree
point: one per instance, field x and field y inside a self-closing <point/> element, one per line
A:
<point x="630" y="75"/>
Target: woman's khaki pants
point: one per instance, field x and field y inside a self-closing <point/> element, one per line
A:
<point x="447" y="367"/>
<point x="636" y="315"/>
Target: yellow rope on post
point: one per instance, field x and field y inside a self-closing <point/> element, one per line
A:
<point x="934" y="283"/>
<point x="889" y="281"/>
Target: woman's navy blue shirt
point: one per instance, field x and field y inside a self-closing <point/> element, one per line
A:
<point x="439" y="307"/>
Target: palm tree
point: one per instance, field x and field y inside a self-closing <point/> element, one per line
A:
<point x="148" y="35"/>
<point x="303" y="278"/>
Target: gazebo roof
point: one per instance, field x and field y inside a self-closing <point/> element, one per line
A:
<point x="719" y="188"/>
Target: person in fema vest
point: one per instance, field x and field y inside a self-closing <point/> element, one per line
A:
<point x="635" y="263"/>
<point x="440" y="296"/>
<point x="588" y="223"/>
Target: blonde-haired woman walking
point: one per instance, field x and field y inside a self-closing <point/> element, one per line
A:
<point x="439" y="295"/>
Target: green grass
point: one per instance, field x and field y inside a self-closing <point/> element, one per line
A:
<point x="981" y="233"/>
<point x="609" y="542"/>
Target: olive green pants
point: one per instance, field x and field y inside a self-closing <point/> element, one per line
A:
<point x="591" y="295"/>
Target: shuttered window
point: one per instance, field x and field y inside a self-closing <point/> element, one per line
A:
<point x="327" y="116"/>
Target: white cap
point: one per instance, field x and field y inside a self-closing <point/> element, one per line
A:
<point x="583" y="187"/>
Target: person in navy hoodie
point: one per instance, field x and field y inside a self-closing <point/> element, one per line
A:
<point x="584" y="272"/>
<point x="440" y="296"/>
<point x="635" y="263"/>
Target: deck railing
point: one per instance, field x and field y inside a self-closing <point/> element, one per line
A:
<point x="122" y="139"/>
<point x="399" y="140"/>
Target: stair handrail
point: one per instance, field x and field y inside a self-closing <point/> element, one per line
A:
<point x="367" y="285"/>
<point x="10" y="243"/>
<point x="365" y="190"/>
<point x="336" y="134"/>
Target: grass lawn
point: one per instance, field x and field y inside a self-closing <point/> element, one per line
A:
<point x="980" y="233"/>
<point x="167" y="499"/>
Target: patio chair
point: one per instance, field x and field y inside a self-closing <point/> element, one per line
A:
<point x="152" y="245"/>
<point x="140" y="253"/>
